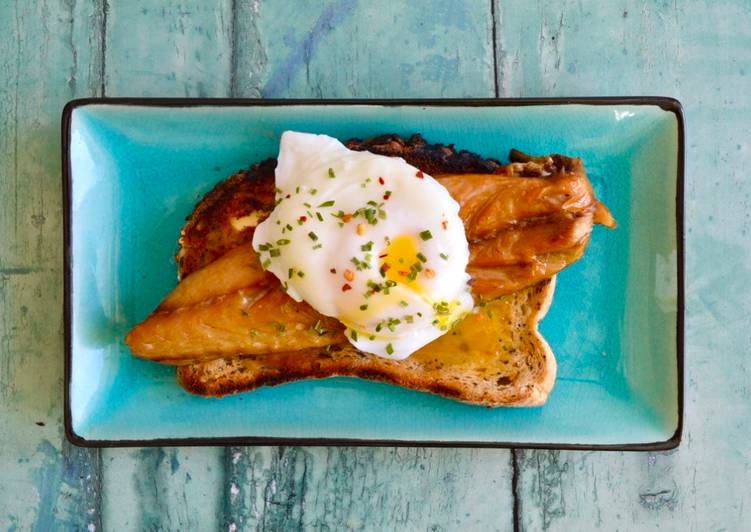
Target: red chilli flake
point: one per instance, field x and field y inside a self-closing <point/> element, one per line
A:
<point x="346" y="287"/>
<point x="385" y="267"/>
<point x="445" y="224"/>
<point x="402" y="273"/>
<point x="333" y="270"/>
<point x="381" y="181"/>
<point x="382" y="256"/>
<point x="303" y="219"/>
<point x="387" y="195"/>
<point x="346" y="218"/>
<point x="288" y="196"/>
<point x="420" y="174"/>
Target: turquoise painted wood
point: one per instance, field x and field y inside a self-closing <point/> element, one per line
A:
<point x="699" y="52"/>
<point x="48" y="54"/>
<point x="52" y="51"/>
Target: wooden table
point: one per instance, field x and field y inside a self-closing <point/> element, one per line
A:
<point x="54" y="50"/>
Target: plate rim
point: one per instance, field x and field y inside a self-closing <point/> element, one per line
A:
<point x="666" y="103"/>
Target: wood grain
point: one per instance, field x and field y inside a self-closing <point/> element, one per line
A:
<point x="699" y="52"/>
<point x="49" y="53"/>
<point x="52" y="51"/>
<point x="295" y="488"/>
<point x="172" y="48"/>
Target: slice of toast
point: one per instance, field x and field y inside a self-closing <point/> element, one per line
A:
<point x="495" y="357"/>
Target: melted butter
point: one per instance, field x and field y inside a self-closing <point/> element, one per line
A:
<point x="479" y="339"/>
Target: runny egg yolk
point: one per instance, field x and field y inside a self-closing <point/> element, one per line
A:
<point x="400" y="260"/>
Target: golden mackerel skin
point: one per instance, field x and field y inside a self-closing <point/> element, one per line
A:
<point x="254" y="320"/>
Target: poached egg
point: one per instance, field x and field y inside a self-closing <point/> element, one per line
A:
<point x="367" y="239"/>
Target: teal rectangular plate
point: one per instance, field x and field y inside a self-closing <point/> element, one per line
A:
<point x="134" y="168"/>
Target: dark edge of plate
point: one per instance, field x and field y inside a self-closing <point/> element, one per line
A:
<point x="666" y="103"/>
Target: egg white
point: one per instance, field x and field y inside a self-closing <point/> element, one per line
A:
<point x="369" y="240"/>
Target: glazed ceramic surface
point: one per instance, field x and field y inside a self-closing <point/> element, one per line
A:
<point x="136" y="171"/>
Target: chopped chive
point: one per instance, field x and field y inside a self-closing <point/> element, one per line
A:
<point x="444" y="256"/>
<point x="253" y="333"/>
<point x="318" y="246"/>
<point x="289" y="227"/>
<point x="390" y="349"/>
<point x="301" y="274"/>
<point x="403" y="303"/>
<point x="282" y="242"/>
<point x="313" y="236"/>
<point x="426" y="235"/>
<point x="274" y="252"/>
<point x="290" y="272"/>
<point x="332" y="175"/>
<point x="442" y="308"/>
<point x="408" y="318"/>
<point x="307" y="205"/>
<point x="329" y="203"/>
<point x="297" y="189"/>
<point x="264" y="247"/>
<point x="318" y="215"/>
<point x="353" y="335"/>
<point x="422" y="257"/>
<point x="363" y="307"/>
<point x="319" y="328"/>
<point x="266" y="263"/>
<point x="313" y="191"/>
<point x="367" y="247"/>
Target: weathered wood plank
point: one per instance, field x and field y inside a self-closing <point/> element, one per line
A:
<point x="345" y="49"/>
<point x="342" y="48"/>
<point x="182" y="48"/>
<point x="699" y="52"/>
<point x="295" y="488"/>
<point x="162" y="489"/>
<point x="48" y="54"/>
<point x="173" y="48"/>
